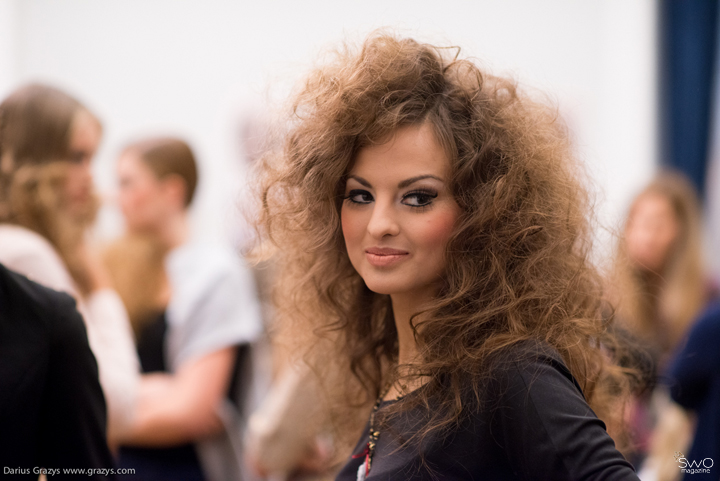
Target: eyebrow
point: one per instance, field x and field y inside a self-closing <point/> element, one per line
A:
<point x="401" y="185"/>
<point x="412" y="180"/>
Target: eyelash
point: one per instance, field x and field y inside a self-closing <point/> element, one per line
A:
<point x="419" y="193"/>
<point x="355" y="193"/>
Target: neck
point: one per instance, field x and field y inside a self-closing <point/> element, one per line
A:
<point x="175" y="230"/>
<point x="404" y="305"/>
<point x="402" y="311"/>
<point x="653" y="280"/>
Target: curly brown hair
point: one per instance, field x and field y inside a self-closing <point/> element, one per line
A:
<point x="518" y="264"/>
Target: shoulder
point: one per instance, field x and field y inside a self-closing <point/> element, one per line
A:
<point x="530" y="380"/>
<point x="210" y="285"/>
<point x="709" y="320"/>
<point x="542" y="422"/>
<point x="207" y="273"/>
<point x="17" y="241"/>
<point x="16" y="235"/>
<point x="30" y="254"/>
<point x="24" y="297"/>
<point x="204" y="261"/>
<point x="529" y="362"/>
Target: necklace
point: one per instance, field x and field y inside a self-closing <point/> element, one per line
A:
<point x="364" y="468"/>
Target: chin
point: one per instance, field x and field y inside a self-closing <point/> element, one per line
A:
<point x="412" y="285"/>
<point x="387" y="288"/>
<point x="388" y="292"/>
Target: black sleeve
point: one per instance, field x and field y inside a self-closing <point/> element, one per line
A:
<point x="73" y="419"/>
<point x="548" y="431"/>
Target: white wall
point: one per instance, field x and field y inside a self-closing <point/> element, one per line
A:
<point x="182" y="66"/>
<point x="8" y="45"/>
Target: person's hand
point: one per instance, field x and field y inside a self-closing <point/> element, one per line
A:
<point x="89" y="257"/>
<point x="317" y="460"/>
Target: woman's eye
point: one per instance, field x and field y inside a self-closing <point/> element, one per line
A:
<point x="358" y="196"/>
<point x="419" y="199"/>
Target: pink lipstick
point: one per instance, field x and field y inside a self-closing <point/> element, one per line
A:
<point x="385" y="256"/>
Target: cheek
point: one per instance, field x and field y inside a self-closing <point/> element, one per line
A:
<point x="353" y="228"/>
<point x="78" y="179"/>
<point x="667" y="238"/>
<point x="433" y="233"/>
<point x="133" y="201"/>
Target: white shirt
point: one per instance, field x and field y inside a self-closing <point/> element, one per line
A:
<point x="213" y="305"/>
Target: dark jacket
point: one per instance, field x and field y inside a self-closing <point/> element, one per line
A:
<point x="52" y="409"/>
<point x="694" y="378"/>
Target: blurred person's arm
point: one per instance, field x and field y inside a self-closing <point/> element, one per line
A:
<point x="284" y="436"/>
<point x="114" y="347"/>
<point x="113" y="344"/>
<point x="180" y="408"/>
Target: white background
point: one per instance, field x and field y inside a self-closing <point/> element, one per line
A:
<point x="187" y="67"/>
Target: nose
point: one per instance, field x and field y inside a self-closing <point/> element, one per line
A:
<point x="383" y="221"/>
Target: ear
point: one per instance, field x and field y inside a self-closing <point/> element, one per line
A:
<point x="175" y="190"/>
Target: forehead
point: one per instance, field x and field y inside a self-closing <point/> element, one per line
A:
<point x="84" y="127"/>
<point x="130" y="163"/>
<point x="653" y="204"/>
<point x="411" y="151"/>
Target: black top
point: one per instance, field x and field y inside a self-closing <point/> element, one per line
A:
<point x="695" y="384"/>
<point x="174" y="463"/>
<point x="52" y="409"/>
<point x="535" y="426"/>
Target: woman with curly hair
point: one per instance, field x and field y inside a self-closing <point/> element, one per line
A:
<point x="434" y="240"/>
<point x="47" y="205"/>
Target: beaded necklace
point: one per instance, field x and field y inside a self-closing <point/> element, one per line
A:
<point x="364" y="468"/>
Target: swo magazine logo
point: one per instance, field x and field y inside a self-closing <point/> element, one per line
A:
<point x="693" y="467"/>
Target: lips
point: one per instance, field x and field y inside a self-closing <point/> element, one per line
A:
<point x="385" y="256"/>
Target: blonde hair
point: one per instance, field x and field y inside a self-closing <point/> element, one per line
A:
<point x="35" y="129"/>
<point x="517" y="262"/>
<point x="136" y="265"/>
<point x="663" y="315"/>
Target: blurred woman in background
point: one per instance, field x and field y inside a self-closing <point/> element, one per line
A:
<point x="194" y="311"/>
<point x="47" y="205"/>
<point x="660" y="287"/>
<point x="659" y="276"/>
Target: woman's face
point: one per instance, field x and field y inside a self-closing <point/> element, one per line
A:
<point x="398" y="213"/>
<point x="142" y="196"/>
<point x="651" y="232"/>
<point x="85" y="134"/>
